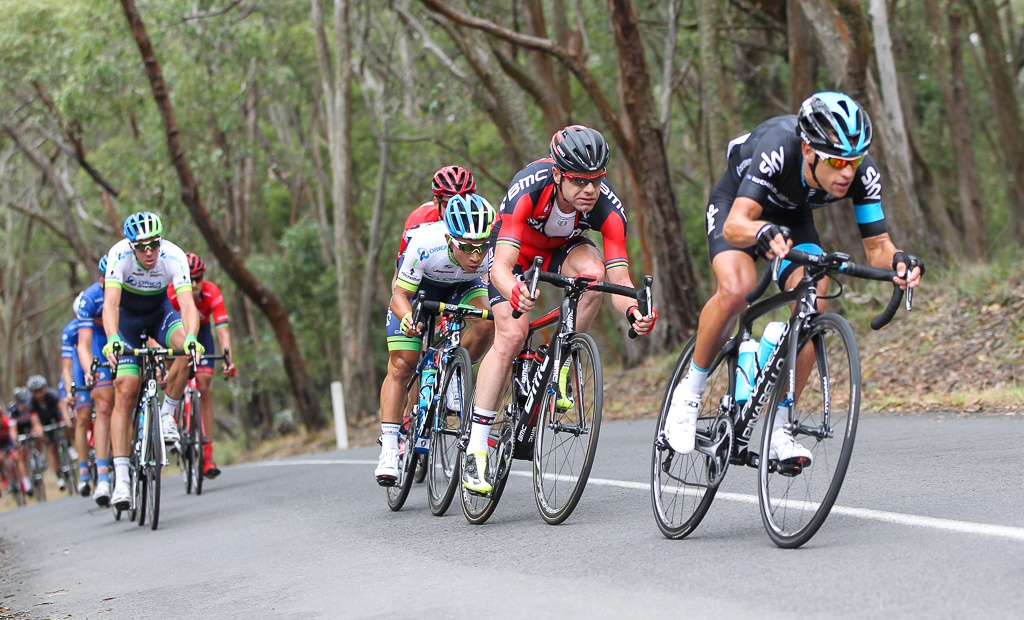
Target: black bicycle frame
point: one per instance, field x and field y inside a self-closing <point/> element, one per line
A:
<point x="745" y="419"/>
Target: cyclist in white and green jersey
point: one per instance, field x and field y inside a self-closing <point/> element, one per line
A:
<point x="447" y="261"/>
<point x="139" y="270"/>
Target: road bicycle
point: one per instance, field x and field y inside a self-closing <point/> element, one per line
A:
<point x="35" y="461"/>
<point x="67" y="467"/>
<point x="794" y="501"/>
<point x="550" y="412"/>
<point x="13" y="478"/>
<point x="189" y="418"/>
<point x="444" y="382"/>
<point x="148" y="454"/>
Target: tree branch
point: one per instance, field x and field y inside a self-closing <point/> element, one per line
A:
<point x="572" y="62"/>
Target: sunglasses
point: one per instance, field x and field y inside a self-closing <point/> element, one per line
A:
<point x="838" y="162"/>
<point x="580" y="180"/>
<point x="470" y="248"/>
<point x="146" y="246"/>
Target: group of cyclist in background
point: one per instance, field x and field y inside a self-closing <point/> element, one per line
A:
<point x="149" y="292"/>
<point x="458" y="249"/>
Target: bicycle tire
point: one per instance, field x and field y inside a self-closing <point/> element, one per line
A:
<point x="567" y="439"/>
<point x="399" y="492"/>
<point x="196" y="430"/>
<point x="154" y="466"/>
<point x="185" y="455"/>
<point x="794" y="507"/>
<point x="683" y="486"/>
<point x="68" y="468"/>
<point x="443" y="471"/>
<point x="479" y="508"/>
<point x="39" y="478"/>
<point x="14" y="483"/>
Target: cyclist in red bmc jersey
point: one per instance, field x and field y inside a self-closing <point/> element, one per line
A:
<point x="549" y="206"/>
<point x="210" y="303"/>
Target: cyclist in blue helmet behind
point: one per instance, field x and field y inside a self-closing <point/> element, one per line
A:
<point x="777" y="175"/>
<point x="140" y="267"/>
<point x="448" y="260"/>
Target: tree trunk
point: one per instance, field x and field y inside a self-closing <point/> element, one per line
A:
<point x="947" y="42"/>
<point x="336" y="82"/>
<point x="302" y="386"/>
<point x="893" y="130"/>
<point x="1003" y="96"/>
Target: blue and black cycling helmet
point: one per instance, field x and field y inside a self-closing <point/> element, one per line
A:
<point x="834" y="124"/>
<point x="142" y="225"/>
<point x="102" y="265"/>
<point x="579" y="149"/>
<point x="469" y="217"/>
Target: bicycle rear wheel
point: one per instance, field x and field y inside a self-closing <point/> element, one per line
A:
<point x="443" y="471"/>
<point x="684" y="485"/>
<point x="478" y="508"/>
<point x="154" y="466"/>
<point x="567" y="437"/>
<point x="398" y="493"/>
<point x="185" y="455"/>
<point x="795" y="504"/>
<point x="39" y="478"/>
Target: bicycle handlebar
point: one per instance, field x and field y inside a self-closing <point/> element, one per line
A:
<point x="534" y="275"/>
<point x="837" y="262"/>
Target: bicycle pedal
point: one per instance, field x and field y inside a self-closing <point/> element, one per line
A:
<point x="387" y="481"/>
<point x="791" y="468"/>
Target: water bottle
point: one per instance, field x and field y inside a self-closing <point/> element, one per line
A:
<point x="746" y="370"/>
<point x="769" y="340"/>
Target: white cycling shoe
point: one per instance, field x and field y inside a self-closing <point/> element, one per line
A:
<point x="122" y="498"/>
<point x="169" y="429"/>
<point x="102" y="494"/>
<point x="786" y="449"/>
<point x="387" y="468"/>
<point x="681" y="422"/>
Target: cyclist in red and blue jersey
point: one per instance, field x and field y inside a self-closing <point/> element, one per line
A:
<point x="210" y="304"/>
<point x="91" y="340"/>
<point x="139" y="269"/>
<point x="777" y="176"/>
<point x="548" y="208"/>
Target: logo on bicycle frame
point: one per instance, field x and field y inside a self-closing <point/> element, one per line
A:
<point x="769" y="375"/>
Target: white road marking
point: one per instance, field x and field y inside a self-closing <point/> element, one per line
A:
<point x="949" y="525"/>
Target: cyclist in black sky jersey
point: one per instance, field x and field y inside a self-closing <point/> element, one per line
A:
<point x="777" y="175"/>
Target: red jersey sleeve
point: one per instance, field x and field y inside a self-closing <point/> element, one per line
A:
<point x="173" y="297"/>
<point x="218" y="311"/>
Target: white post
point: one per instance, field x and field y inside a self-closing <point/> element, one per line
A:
<point x="340" y="423"/>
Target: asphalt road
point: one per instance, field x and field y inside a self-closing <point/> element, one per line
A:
<point x="930" y="523"/>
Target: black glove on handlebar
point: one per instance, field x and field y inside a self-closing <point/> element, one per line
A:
<point x="765" y="236"/>
<point x="909" y="260"/>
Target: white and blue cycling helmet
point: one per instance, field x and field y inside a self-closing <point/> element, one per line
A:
<point x="834" y="124"/>
<point x="142" y="225"/>
<point x="469" y="217"/>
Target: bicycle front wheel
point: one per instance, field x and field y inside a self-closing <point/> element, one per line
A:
<point x="684" y="485"/>
<point x="568" y="429"/>
<point x="443" y="471"/>
<point x="196" y="441"/>
<point x="794" y="504"/>
<point x="154" y="466"/>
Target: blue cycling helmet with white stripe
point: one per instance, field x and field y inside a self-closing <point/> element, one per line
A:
<point x="834" y="124"/>
<point x="102" y="265"/>
<point x="469" y="217"/>
<point x="142" y="225"/>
